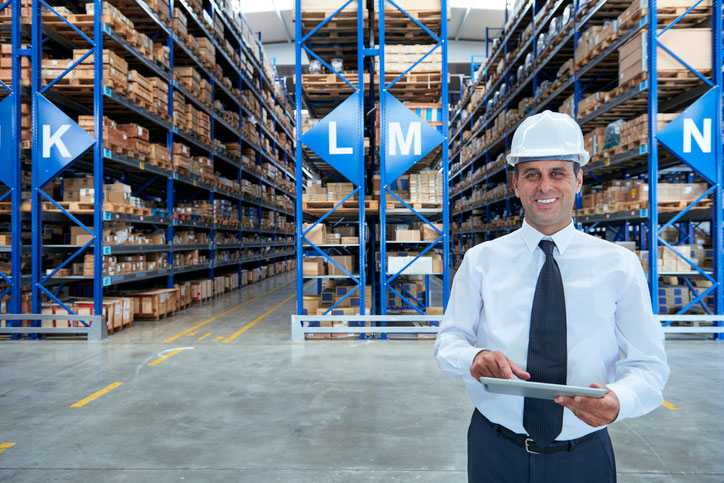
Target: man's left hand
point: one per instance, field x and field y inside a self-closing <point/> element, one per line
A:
<point x="593" y="411"/>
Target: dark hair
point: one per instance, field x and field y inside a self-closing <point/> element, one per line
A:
<point x="576" y="169"/>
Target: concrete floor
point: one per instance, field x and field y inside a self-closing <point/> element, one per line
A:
<point x="261" y="409"/>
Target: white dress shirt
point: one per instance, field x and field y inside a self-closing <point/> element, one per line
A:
<point x="613" y="338"/>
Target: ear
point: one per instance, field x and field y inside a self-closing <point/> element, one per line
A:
<point x="515" y="184"/>
<point x="579" y="181"/>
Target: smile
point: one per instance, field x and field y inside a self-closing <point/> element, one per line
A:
<point x="546" y="201"/>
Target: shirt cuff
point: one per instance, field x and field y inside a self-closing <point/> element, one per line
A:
<point x="626" y="400"/>
<point x="465" y="361"/>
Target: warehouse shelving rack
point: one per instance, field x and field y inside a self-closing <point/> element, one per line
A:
<point x="310" y="39"/>
<point x="322" y="48"/>
<point x="144" y="177"/>
<point x="644" y="225"/>
<point x="389" y="281"/>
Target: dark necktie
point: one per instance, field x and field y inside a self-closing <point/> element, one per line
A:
<point x="547" y="351"/>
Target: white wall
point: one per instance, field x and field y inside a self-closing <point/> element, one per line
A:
<point x="458" y="52"/>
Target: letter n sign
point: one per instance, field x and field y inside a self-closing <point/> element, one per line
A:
<point x="409" y="138"/>
<point x="61" y="140"/>
<point x="690" y="137"/>
<point x="337" y="139"/>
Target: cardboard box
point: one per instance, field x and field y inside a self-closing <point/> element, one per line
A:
<point x="407" y="235"/>
<point x="78" y="236"/>
<point x="429" y="233"/>
<point x="317" y="235"/>
<point x="346" y="261"/>
<point x="313" y="267"/>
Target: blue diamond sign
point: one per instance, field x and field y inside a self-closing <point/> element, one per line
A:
<point x="690" y="137"/>
<point x="337" y="139"/>
<point x="409" y="138"/>
<point x="7" y="167"/>
<point x="61" y="140"/>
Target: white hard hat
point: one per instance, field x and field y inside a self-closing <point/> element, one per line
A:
<point x="548" y="136"/>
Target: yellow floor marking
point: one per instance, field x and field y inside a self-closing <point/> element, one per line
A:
<point x="258" y="319"/>
<point x="192" y="334"/>
<point x="4" y="446"/>
<point x="668" y="405"/>
<point x="191" y="329"/>
<point x="164" y="357"/>
<point x="96" y="395"/>
<point x="205" y="336"/>
<point x="217" y="339"/>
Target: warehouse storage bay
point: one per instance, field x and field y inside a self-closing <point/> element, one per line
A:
<point x="231" y="232"/>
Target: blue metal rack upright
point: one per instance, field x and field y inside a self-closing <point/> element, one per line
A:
<point x="390" y="281"/>
<point x="11" y="171"/>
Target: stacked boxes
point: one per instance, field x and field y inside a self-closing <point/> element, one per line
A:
<point x="115" y="69"/>
<point x="693" y="46"/>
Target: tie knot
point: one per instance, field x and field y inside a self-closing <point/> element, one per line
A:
<point x="547" y="246"/>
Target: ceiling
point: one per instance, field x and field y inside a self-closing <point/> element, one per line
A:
<point x="468" y="21"/>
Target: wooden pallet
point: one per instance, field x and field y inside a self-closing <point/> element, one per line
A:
<point x="321" y="208"/>
<point x="417" y="205"/>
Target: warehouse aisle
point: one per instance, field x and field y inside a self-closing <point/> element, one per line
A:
<point x="261" y="409"/>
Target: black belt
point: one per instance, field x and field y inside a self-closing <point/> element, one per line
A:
<point x="531" y="446"/>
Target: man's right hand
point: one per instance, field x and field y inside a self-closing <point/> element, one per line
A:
<point x="495" y="364"/>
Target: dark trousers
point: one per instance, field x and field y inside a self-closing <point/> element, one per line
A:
<point x="495" y="458"/>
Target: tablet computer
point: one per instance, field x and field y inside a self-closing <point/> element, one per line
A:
<point x="539" y="390"/>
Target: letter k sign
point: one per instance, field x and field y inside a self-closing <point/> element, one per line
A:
<point x="337" y="139"/>
<point x="62" y="141"/>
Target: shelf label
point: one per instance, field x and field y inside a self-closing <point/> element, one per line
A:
<point x="194" y="182"/>
<point x="175" y="130"/>
<point x="106" y="250"/>
<point x="643" y="21"/>
<point x="607" y="161"/>
<point x="106" y="281"/>
<point x="175" y="83"/>
<point x="107" y="91"/>
<point x="107" y="153"/>
<point x="643" y="149"/>
<point x="107" y="28"/>
<point x="106" y="216"/>
<point x="142" y="165"/>
<point x="175" y="222"/>
<point x="175" y="176"/>
<point x="643" y="85"/>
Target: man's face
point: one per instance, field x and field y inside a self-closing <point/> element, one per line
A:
<point x="547" y="190"/>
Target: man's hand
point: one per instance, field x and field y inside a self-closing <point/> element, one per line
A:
<point x="593" y="411"/>
<point x="495" y="364"/>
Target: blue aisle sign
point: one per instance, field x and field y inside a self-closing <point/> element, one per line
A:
<point x="690" y="137"/>
<point x="337" y="139"/>
<point x="7" y="167"/>
<point x="409" y="138"/>
<point x="61" y="140"/>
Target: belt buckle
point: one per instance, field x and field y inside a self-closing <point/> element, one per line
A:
<point x="526" y="443"/>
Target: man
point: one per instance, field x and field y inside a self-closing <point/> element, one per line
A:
<point x="549" y="303"/>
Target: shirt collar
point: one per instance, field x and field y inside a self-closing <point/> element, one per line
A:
<point x="562" y="238"/>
